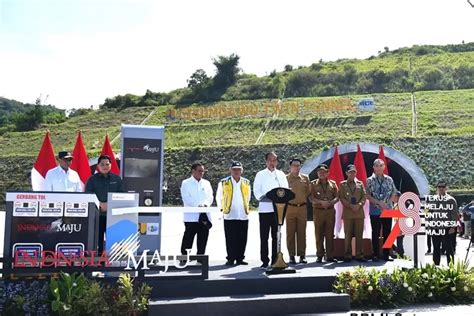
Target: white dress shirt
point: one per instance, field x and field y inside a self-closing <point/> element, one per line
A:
<point x="58" y="180"/>
<point x="237" y="211"/>
<point x="265" y="181"/>
<point x="195" y="193"/>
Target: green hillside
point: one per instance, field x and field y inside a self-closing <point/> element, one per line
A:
<point x="443" y="113"/>
<point x="11" y="112"/>
<point x="417" y="68"/>
<point x="449" y="113"/>
<point x="250" y="117"/>
<point x="441" y="147"/>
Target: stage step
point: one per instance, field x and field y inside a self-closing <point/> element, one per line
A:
<point x="268" y="304"/>
<point x="244" y="286"/>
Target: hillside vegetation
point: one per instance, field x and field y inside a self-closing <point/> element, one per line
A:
<point x="417" y="68"/>
<point x="294" y="124"/>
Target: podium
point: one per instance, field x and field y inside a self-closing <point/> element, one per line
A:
<point x="126" y="229"/>
<point x="122" y="230"/>
<point x="280" y="198"/>
<point x="53" y="223"/>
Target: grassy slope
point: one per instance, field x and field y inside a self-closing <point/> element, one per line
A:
<point x="447" y="113"/>
<point x="445" y="136"/>
<point x="392" y="62"/>
<point x="94" y="126"/>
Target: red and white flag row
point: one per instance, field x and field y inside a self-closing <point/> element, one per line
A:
<point x="46" y="161"/>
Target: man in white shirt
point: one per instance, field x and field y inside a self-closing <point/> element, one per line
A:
<point x="196" y="192"/>
<point x="266" y="180"/>
<point x="62" y="178"/>
<point x="233" y="198"/>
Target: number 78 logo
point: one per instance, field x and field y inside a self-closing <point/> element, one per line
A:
<point x="409" y="221"/>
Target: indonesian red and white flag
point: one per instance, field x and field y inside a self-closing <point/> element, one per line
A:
<point x="45" y="161"/>
<point x="359" y="163"/>
<point x="382" y="156"/>
<point x="335" y="174"/>
<point x="80" y="163"/>
<point x="107" y="150"/>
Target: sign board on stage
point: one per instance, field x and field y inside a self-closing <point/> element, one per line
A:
<point x="38" y="222"/>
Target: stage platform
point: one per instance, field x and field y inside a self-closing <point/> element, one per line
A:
<point x="247" y="290"/>
<point x="237" y="290"/>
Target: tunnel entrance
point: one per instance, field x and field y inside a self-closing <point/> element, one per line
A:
<point x="408" y="177"/>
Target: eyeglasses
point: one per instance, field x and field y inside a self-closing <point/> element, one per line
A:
<point x="441" y="186"/>
<point x="104" y="164"/>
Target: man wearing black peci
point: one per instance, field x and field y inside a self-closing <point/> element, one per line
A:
<point x="265" y="181"/>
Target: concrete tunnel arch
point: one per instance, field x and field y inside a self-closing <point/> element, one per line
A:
<point x="404" y="171"/>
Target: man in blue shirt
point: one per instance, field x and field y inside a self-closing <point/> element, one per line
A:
<point x="380" y="190"/>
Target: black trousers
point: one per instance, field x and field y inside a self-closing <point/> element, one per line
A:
<point x="453" y="240"/>
<point x="386" y="225"/>
<point x="429" y="242"/>
<point x="235" y="238"/>
<point x="191" y="230"/>
<point x="267" y="223"/>
<point x="447" y="243"/>
<point x="102" y="226"/>
<point x="400" y="249"/>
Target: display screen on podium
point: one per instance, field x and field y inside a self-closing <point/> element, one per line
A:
<point x="142" y="173"/>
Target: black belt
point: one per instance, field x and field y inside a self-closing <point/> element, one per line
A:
<point x="297" y="205"/>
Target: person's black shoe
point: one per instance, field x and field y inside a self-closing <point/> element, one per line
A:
<point x="375" y="259"/>
<point x="319" y="260"/>
<point x="361" y="259"/>
<point x="387" y="259"/>
<point x="242" y="263"/>
<point x="347" y="259"/>
<point x="303" y="260"/>
<point x="332" y="260"/>
<point x="264" y="266"/>
<point x="292" y="260"/>
<point x="229" y="263"/>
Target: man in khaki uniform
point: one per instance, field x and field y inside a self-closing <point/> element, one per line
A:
<point x="296" y="215"/>
<point x="352" y="197"/>
<point x="324" y="194"/>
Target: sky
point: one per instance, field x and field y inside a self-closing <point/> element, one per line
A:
<point x="80" y="52"/>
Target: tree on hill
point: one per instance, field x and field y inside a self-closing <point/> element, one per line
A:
<point x="202" y="88"/>
<point x="29" y="120"/>
<point x="20" y="116"/>
<point x="227" y="71"/>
